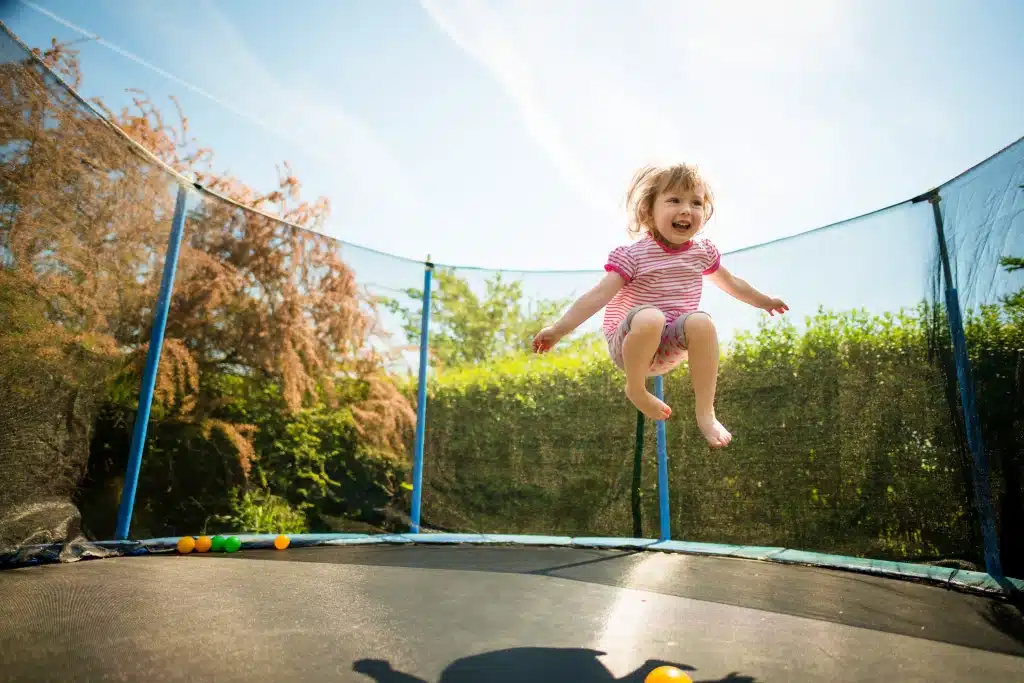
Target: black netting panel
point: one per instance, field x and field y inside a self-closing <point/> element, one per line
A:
<point x="983" y="221"/>
<point x="286" y="396"/>
<point x="84" y="222"/>
<point x="843" y="435"/>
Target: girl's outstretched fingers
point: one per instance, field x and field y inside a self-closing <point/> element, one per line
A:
<point x="545" y="340"/>
<point x="776" y="306"/>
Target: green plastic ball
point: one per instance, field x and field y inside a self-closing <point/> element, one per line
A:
<point x="232" y="544"/>
<point x="217" y="545"/>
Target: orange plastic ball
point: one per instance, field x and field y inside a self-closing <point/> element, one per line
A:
<point x="281" y="542"/>
<point x="186" y="544"/>
<point x="664" y="674"/>
<point x="203" y="544"/>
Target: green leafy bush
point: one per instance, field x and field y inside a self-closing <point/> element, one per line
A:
<point x="844" y="442"/>
<point x="261" y="512"/>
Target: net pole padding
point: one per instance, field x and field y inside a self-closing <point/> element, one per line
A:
<point x="637" y="498"/>
<point x="965" y="381"/>
<point x="156" y="341"/>
<point x="421" y="403"/>
<point x="666" y="526"/>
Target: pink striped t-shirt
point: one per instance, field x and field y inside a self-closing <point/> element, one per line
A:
<point x="670" y="278"/>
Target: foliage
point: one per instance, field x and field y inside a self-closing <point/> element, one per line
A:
<point x="995" y="338"/>
<point x="51" y="381"/>
<point x="1012" y="263"/>
<point x="274" y="413"/>
<point x="821" y="460"/>
<point x="316" y="459"/>
<point x="1014" y="302"/>
<point x="469" y="328"/>
<point x="261" y="512"/>
<point x="84" y="223"/>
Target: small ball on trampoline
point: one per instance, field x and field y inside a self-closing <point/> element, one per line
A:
<point x="203" y="544"/>
<point x="663" y="674"/>
<point x="232" y="544"/>
<point x="281" y="542"/>
<point x="217" y="543"/>
<point x="186" y="544"/>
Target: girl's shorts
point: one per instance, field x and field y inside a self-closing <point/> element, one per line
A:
<point x="671" y="351"/>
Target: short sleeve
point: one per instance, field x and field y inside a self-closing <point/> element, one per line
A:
<point x="622" y="262"/>
<point x="711" y="258"/>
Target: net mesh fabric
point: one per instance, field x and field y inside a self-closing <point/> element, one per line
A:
<point x="515" y="442"/>
<point x="820" y="461"/>
<point x="271" y="330"/>
<point x="287" y="381"/>
<point x="83" y="228"/>
<point x="983" y="221"/>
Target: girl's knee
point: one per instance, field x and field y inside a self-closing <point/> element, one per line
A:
<point x="698" y="322"/>
<point x="647" y="319"/>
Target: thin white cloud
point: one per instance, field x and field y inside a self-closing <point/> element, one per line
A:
<point x="796" y="36"/>
<point x="481" y="32"/>
<point x="606" y="87"/>
<point x="789" y="106"/>
<point x="302" y="113"/>
<point x="578" y="103"/>
<point x="140" y="61"/>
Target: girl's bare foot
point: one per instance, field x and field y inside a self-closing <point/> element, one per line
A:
<point x="647" y="403"/>
<point x="717" y="436"/>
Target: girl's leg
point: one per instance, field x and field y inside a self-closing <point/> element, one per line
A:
<point x="702" y="343"/>
<point x="638" y="349"/>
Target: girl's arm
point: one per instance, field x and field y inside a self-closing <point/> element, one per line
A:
<point x="742" y="290"/>
<point x="584" y="307"/>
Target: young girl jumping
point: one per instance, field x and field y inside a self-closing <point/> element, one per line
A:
<point x="651" y="294"/>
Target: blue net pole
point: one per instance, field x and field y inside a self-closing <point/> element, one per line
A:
<point x="421" y="403"/>
<point x="982" y="493"/>
<point x="666" y="525"/>
<point x="156" y="341"/>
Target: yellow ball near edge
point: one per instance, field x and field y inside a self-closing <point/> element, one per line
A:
<point x="186" y="544"/>
<point x="664" y="674"/>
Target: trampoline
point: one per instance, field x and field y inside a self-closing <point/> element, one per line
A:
<point x="402" y="609"/>
<point x="864" y="525"/>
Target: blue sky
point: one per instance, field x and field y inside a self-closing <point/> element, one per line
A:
<point x="503" y="133"/>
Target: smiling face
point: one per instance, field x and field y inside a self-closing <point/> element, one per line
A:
<point x="670" y="203"/>
<point x="678" y="213"/>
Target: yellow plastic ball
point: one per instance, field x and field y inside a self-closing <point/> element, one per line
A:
<point x="281" y="542"/>
<point x="203" y="544"/>
<point x="186" y="544"/>
<point x="663" y="674"/>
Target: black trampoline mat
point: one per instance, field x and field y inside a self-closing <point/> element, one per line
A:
<point x="450" y="614"/>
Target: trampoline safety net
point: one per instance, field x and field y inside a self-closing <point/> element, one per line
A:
<point x="285" y="399"/>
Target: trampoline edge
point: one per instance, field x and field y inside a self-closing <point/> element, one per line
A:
<point x="960" y="579"/>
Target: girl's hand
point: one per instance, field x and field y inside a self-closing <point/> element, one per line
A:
<point x="546" y="339"/>
<point x="775" y="306"/>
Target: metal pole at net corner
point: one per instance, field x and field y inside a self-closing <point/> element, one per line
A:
<point x="156" y="342"/>
<point x="421" y="402"/>
<point x="666" y="525"/>
<point x="965" y="381"/>
<point x="637" y="493"/>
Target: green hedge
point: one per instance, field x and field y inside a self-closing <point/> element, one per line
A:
<point x="305" y="470"/>
<point x="844" y="442"/>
